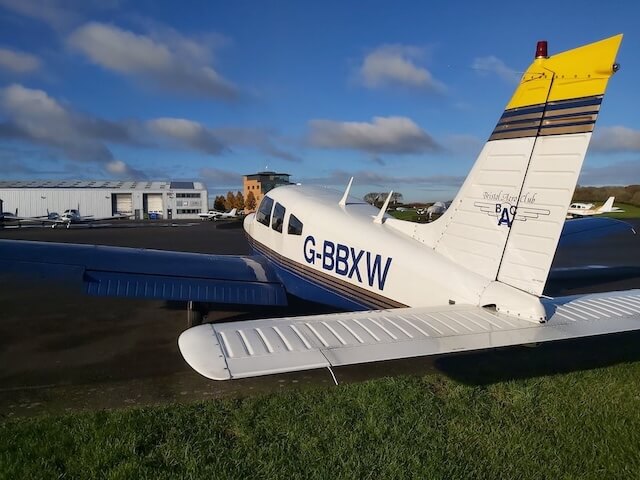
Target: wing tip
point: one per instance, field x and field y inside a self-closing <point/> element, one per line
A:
<point x="200" y="349"/>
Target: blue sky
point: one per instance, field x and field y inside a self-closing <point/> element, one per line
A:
<point x="402" y="95"/>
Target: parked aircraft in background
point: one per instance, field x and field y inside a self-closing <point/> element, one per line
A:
<point x="72" y="217"/>
<point x="437" y="208"/>
<point x="471" y="280"/>
<point x="9" y="217"/>
<point x="215" y="215"/>
<point x="577" y="210"/>
<point x="13" y="218"/>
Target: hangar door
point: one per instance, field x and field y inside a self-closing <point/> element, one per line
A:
<point x="121" y="203"/>
<point x="154" y="202"/>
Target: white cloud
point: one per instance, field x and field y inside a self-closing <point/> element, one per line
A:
<point x="399" y="135"/>
<point x="186" y="133"/>
<point x="176" y="64"/>
<point x="18" y="62"/>
<point x="395" y="65"/>
<point x="50" y="12"/>
<point x="616" y="139"/>
<point x="36" y="118"/>
<point x="493" y="65"/>
<point x="195" y="136"/>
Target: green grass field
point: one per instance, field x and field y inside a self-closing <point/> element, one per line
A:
<point x="630" y="211"/>
<point x="501" y="415"/>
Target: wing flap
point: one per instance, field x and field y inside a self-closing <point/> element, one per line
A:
<point x="263" y="347"/>
<point x="119" y="284"/>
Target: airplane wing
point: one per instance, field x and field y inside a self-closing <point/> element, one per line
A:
<point x="262" y="347"/>
<point x="141" y="273"/>
<point x="585" y="230"/>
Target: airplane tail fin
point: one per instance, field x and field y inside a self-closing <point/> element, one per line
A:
<point x="507" y="218"/>
<point x="233" y="212"/>
<point x="608" y="205"/>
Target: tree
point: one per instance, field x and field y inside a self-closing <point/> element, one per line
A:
<point x="230" y="202"/>
<point x="378" y="198"/>
<point x="239" y="201"/>
<point x="371" y="198"/>
<point x="251" y="201"/>
<point x="218" y="203"/>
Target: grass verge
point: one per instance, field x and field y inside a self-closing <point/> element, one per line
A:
<point x="583" y="424"/>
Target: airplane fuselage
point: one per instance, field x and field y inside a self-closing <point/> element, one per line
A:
<point x="341" y="257"/>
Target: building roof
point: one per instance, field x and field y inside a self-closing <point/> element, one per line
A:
<point x="254" y="176"/>
<point x="109" y="184"/>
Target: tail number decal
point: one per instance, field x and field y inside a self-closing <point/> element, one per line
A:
<point x="348" y="262"/>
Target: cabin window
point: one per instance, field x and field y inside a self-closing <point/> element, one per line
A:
<point x="278" y="217"/>
<point x="264" y="212"/>
<point x="295" y="226"/>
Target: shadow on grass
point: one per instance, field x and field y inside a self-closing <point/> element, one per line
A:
<point x="509" y="363"/>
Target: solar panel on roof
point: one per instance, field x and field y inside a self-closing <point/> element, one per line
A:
<point x="182" y="185"/>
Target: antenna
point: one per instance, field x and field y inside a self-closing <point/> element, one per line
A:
<point x="343" y="201"/>
<point x="383" y="210"/>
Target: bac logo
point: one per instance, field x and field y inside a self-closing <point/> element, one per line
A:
<point x="506" y="214"/>
<point x="348" y="262"/>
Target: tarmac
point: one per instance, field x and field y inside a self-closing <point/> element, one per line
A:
<point x="62" y="351"/>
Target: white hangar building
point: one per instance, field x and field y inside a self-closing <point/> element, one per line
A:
<point x="105" y="198"/>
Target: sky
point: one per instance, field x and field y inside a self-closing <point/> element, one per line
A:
<point x="401" y="95"/>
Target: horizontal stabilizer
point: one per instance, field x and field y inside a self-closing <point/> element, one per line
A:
<point x="262" y="347"/>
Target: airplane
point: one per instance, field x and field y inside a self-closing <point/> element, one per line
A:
<point x="438" y="208"/>
<point x="471" y="280"/>
<point x="72" y="216"/>
<point x="15" y="219"/>
<point x="577" y="210"/>
<point x="215" y="215"/>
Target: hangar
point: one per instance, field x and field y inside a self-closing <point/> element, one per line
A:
<point x="104" y="198"/>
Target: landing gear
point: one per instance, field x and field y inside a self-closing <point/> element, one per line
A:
<point x="196" y="313"/>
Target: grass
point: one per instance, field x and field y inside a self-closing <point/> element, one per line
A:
<point x="630" y="211"/>
<point x="580" y="424"/>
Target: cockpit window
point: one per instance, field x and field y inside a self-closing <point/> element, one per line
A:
<point x="295" y="226"/>
<point x="278" y="217"/>
<point x="264" y="212"/>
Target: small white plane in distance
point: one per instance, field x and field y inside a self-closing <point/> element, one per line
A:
<point x="471" y="280"/>
<point x="216" y="215"/>
<point x="72" y="217"/>
<point x="577" y="210"/>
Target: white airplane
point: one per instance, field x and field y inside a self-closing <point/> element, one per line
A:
<point x="72" y="217"/>
<point x="438" y="208"/>
<point x="14" y="218"/>
<point x="577" y="209"/>
<point x="216" y="215"/>
<point x="471" y="280"/>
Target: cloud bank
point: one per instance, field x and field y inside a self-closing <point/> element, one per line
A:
<point x="176" y="63"/>
<point x="395" y="66"/>
<point x="395" y="135"/>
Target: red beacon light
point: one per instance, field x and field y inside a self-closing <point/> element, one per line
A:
<point x="541" y="49"/>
